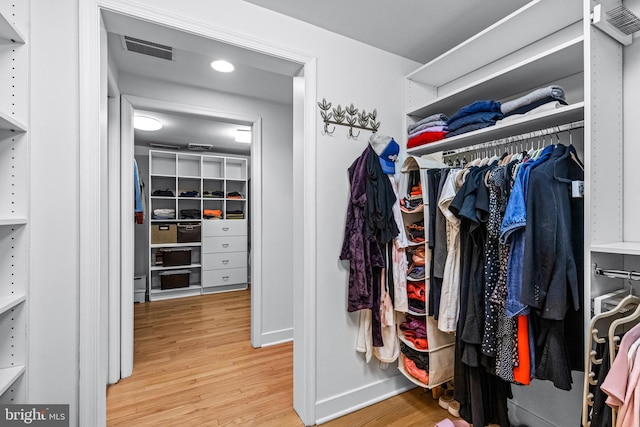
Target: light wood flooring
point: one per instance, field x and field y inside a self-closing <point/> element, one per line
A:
<point x="194" y="366"/>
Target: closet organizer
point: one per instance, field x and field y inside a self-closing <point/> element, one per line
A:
<point x="14" y="201"/>
<point x="544" y="47"/>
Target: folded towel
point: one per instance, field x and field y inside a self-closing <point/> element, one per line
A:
<point x="432" y="118"/>
<point x="476" y="107"/>
<point x="555" y="92"/>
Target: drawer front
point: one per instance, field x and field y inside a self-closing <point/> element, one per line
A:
<point x="224" y="244"/>
<point x="237" y="227"/>
<point x="220" y="260"/>
<point x="226" y="276"/>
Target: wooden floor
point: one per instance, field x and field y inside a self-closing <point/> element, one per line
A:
<point x="194" y="366"/>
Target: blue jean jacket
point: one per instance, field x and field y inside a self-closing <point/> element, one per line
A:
<point x="512" y="230"/>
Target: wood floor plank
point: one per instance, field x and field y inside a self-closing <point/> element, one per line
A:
<point x="194" y="366"/>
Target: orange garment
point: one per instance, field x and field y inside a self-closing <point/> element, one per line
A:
<point x="212" y="212"/>
<point x="522" y="372"/>
<point x="414" y="371"/>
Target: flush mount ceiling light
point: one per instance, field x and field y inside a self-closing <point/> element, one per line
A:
<point x="222" y="66"/>
<point x="146" y="123"/>
<point x="243" y="135"/>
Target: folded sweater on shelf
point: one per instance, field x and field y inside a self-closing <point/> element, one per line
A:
<point x="555" y="92"/>
<point x="431" y="118"/>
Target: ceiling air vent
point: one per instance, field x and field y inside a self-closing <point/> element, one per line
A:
<point x="200" y="147"/>
<point x="145" y="47"/>
<point x="164" y="146"/>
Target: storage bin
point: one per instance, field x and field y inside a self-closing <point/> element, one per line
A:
<point x="189" y="233"/>
<point x="173" y="257"/>
<point x="174" y="279"/>
<point x="163" y="233"/>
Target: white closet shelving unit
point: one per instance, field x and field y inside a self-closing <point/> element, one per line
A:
<point x="543" y="43"/>
<point x="214" y="178"/>
<point x="501" y="63"/>
<point x="14" y="188"/>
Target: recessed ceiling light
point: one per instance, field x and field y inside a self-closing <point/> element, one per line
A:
<point x="243" y="135"/>
<point x="146" y="123"/>
<point x="222" y="66"/>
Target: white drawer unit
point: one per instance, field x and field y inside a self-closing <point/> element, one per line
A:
<point x="220" y="260"/>
<point x="224" y="255"/>
<point x="232" y="227"/>
<point x="225" y="276"/>
<point x="224" y="244"/>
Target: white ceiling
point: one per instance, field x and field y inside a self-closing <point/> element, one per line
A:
<point x="416" y="30"/>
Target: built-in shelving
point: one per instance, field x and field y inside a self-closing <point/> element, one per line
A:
<point x="175" y="245"/>
<point x="551" y="65"/>
<point x="482" y="49"/>
<point x="14" y="201"/>
<point x="175" y="267"/>
<point x="623" y="248"/>
<point x="10" y="32"/>
<point x="8" y="302"/>
<point x="9" y="123"/>
<point x="9" y="375"/>
<point x="525" y="124"/>
<point x="13" y="221"/>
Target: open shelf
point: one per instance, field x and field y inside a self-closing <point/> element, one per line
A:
<point x="559" y="116"/>
<point x="9" y="123"/>
<point x="8" y="31"/>
<point x="8" y="302"/>
<point x="475" y="52"/>
<point x="409" y="343"/>
<point x="539" y="70"/>
<point x="174" y="267"/>
<point x="9" y="375"/>
<point x="623" y="248"/>
<point x="13" y="221"/>
<point x="175" y="245"/>
<point x="159" y="294"/>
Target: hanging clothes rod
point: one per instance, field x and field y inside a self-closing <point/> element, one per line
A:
<point x="616" y="274"/>
<point x="516" y="138"/>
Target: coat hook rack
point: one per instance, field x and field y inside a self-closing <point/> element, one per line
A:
<point x="348" y="116"/>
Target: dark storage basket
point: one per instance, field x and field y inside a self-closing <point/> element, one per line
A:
<point x="174" y="279"/>
<point x="173" y="257"/>
<point x="189" y="233"/>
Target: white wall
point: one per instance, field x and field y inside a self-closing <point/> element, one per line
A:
<point x="277" y="188"/>
<point x="347" y="72"/>
<point x="53" y="297"/>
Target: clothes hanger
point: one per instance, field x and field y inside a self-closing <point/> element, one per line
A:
<point x="602" y="323"/>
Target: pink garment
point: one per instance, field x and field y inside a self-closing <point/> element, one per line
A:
<point x="615" y="384"/>
<point x="629" y="412"/>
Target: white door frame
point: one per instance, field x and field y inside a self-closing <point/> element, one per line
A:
<point x="92" y="395"/>
<point x="256" y="206"/>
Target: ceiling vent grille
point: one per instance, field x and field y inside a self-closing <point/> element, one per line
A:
<point x="164" y="146"/>
<point x="200" y="147"/>
<point x="145" y="47"/>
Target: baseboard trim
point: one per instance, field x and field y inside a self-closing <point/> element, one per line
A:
<point x="276" y="337"/>
<point x="353" y="400"/>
